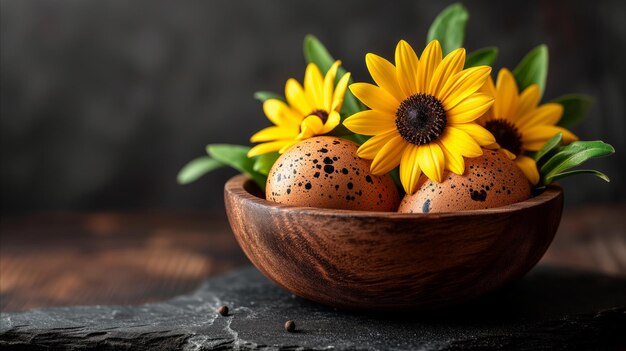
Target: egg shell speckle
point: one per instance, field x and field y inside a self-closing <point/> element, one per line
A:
<point x="489" y="181"/>
<point x="325" y="172"/>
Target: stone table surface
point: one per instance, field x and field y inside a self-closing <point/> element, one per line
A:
<point x="551" y="308"/>
<point x="133" y="258"/>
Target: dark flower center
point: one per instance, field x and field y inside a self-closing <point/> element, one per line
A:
<point x="420" y="119"/>
<point x="323" y="115"/>
<point x="506" y="134"/>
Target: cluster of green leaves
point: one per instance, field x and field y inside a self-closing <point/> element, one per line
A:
<point x="533" y="69"/>
<point x="555" y="160"/>
<point x="449" y="28"/>
<point x="235" y="156"/>
<point x="258" y="167"/>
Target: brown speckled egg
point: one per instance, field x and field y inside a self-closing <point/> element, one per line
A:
<point x="491" y="180"/>
<point x="325" y="172"/>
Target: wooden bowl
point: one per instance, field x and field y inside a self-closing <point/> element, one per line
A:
<point x="390" y="261"/>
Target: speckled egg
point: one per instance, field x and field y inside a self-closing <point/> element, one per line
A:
<point x="491" y="180"/>
<point x="325" y="172"/>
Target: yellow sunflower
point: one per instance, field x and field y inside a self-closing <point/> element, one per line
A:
<point x="423" y="113"/>
<point x="312" y="110"/>
<point x="518" y="123"/>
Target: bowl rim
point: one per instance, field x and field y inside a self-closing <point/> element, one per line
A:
<point x="236" y="185"/>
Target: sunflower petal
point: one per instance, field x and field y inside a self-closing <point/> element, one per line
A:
<point x="340" y="92"/>
<point x="388" y="157"/>
<point x="462" y="85"/>
<point x="529" y="167"/>
<point x="454" y="160"/>
<point x="482" y="136"/>
<point x="410" y="169"/>
<point x="280" y="113"/>
<point x="374" y="97"/>
<point x="508" y="154"/>
<point x="451" y="65"/>
<point x="494" y="146"/>
<point x="547" y="114"/>
<point x="310" y="126"/>
<point x="370" y="148"/>
<point x="534" y="138"/>
<point x="470" y="109"/>
<point x="528" y="100"/>
<point x="296" y="98"/>
<point x="273" y="133"/>
<point x="329" y="85"/>
<point x="384" y="74"/>
<point x="406" y="68"/>
<point x="507" y="96"/>
<point x="287" y="146"/>
<point x="313" y="85"/>
<point x="427" y="64"/>
<point x="265" y="148"/>
<point x="332" y="121"/>
<point x="490" y="89"/>
<point x="370" y="122"/>
<point x="432" y="161"/>
<point x="457" y="140"/>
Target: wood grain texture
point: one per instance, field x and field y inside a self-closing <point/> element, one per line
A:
<point x="60" y="259"/>
<point x="38" y="252"/>
<point x="386" y="261"/>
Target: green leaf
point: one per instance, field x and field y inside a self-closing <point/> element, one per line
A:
<point x="573" y="155"/>
<point x="550" y="145"/>
<point x="575" y="108"/>
<point x="236" y="156"/>
<point x="357" y="138"/>
<point x="575" y="172"/>
<point x="395" y="175"/>
<point x="533" y="69"/>
<point x="449" y="27"/>
<point x="196" y="168"/>
<point x="266" y="95"/>
<point x="315" y="52"/>
<point x="264" y="163"/>
<point x="480" y="57"/>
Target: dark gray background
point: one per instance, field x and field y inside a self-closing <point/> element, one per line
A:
<point x="103" y="101"/>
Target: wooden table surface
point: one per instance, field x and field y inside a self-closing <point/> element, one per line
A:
<point x="57" y="259"/>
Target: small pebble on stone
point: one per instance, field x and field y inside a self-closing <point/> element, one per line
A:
<point x="290" y="326"/>
<point x="223" y="311"/>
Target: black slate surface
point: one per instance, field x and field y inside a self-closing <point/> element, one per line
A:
<point x="550" y="308"/>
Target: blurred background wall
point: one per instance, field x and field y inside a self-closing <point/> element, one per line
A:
<point x="102" y="102"/>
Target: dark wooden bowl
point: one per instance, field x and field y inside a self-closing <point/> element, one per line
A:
<point x="386" y="260"/>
